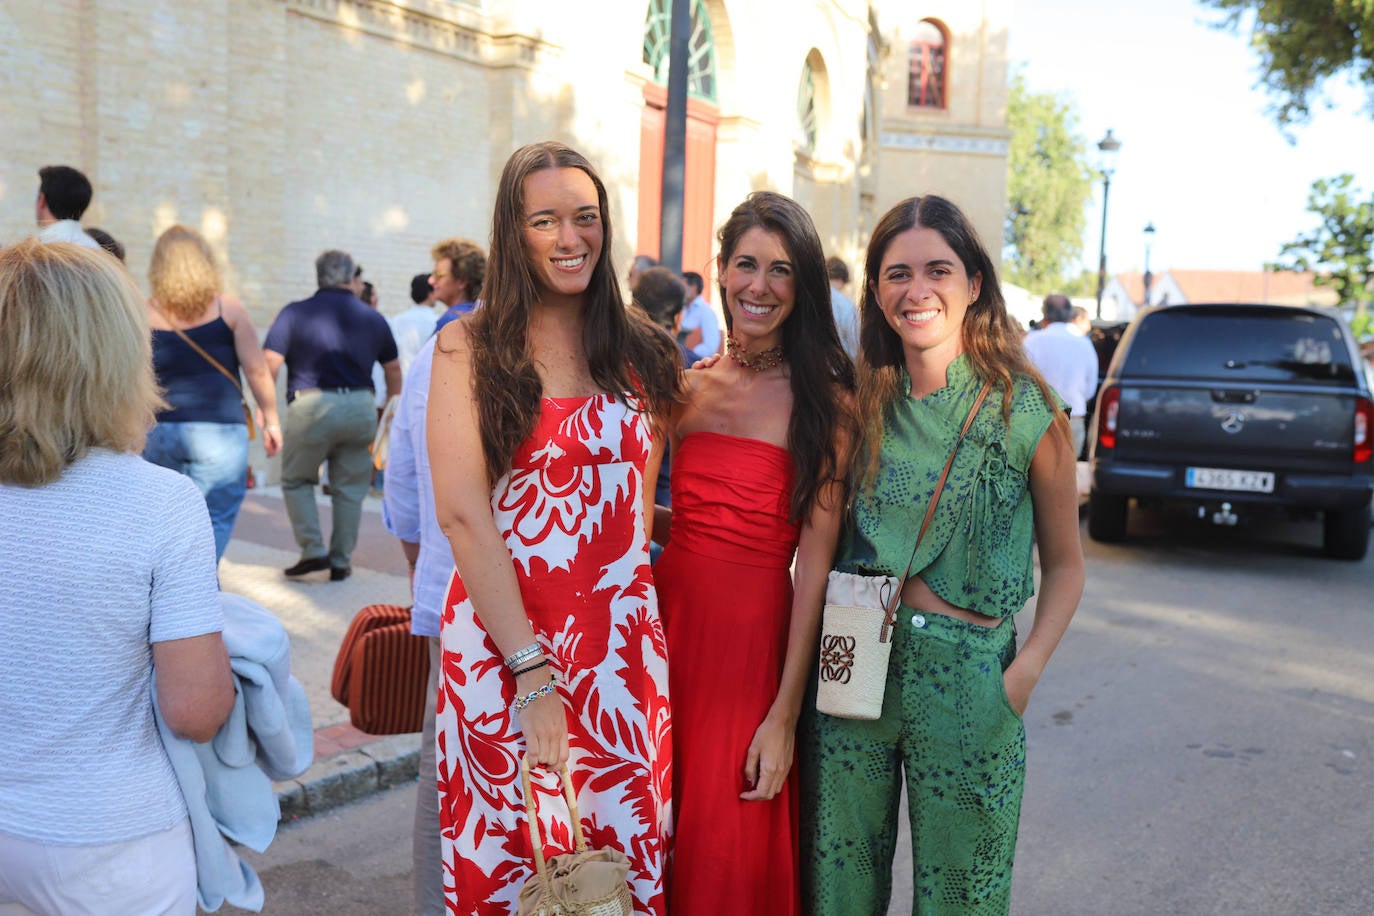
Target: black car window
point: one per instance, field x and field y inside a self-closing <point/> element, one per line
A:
<point x="1240" y="344"/>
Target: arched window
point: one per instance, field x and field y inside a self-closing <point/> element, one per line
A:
<point x="701" y="49"/>
<point x="926" y="80"/>
<point x="806" y="110"/>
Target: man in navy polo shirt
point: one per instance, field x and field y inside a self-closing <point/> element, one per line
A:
<point x="329" y="343"/>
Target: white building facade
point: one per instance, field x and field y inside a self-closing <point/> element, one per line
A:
<point x="280" y="128"/>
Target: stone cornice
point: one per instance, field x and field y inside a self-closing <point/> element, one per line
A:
<point x="945" y="141"/>
<point x="450" y="28"/>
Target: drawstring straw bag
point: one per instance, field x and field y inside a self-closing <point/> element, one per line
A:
<point x="860" y="612"/>
<point x="585" y="882"/>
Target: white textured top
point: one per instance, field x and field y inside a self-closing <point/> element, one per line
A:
<point x="1067" y="361"/>
<point x="113" y="556"/>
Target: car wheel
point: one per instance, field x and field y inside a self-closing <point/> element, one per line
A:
<point x="1345" y="533"/>
<point x="1107" y="517"/>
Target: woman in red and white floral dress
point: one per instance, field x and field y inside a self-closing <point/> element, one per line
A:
<point x="542" y="432"/>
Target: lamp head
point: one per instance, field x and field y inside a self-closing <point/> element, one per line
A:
<point x="1107" y="148"/>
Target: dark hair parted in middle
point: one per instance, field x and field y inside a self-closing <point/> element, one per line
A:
<point x="818" y="368"/>
<point x="990" y="337"/>
<point x="626" y="352"/>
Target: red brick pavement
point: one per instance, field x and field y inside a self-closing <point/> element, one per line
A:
<point x="262" y="520"/>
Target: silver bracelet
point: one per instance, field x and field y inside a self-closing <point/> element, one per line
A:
<point x="521" y="656"/>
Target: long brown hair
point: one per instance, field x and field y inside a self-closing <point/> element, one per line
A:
<point x="817" y="365"/>
<point x="626" y="352"/>
<point x="990" y="338"/>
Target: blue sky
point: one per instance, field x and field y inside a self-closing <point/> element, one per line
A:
<point x="1200" y="157"/>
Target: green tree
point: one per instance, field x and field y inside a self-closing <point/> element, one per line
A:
<point x="1302" y="43"/>
<point x="1084" y="285"/>
<point x="1339" y="248"/>
<point x="1048" y="185"/>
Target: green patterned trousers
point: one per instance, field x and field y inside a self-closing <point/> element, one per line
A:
<point x="948" y="727"/>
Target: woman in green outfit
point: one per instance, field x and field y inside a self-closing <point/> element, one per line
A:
<point x="935" y="330"/>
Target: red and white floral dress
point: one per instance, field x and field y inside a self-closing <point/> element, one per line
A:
<point x="571" y="513"/>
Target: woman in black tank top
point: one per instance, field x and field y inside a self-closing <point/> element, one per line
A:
<point x="203" y="344"/>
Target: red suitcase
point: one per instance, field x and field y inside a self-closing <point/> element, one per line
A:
<point x="381" y="672"/>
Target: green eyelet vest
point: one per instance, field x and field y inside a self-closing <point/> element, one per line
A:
<point x="977" y="551"/>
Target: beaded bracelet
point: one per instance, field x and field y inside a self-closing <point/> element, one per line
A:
<point x="522" y="701"/>
<point x="520" y="656"/>
<point x="535" y="667"/>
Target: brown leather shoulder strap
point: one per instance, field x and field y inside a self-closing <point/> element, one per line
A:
<point x="201" y="350"/>
<point x="935" y="501"/>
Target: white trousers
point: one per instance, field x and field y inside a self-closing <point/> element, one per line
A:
<point x="153" y="875"/>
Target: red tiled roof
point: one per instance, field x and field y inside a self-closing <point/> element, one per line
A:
<point x="1282" y="287"/>
<point x="1134" y="283"/>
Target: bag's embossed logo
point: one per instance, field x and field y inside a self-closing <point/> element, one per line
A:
<point x="837" y="658"/>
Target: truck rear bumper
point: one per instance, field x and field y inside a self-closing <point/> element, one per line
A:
<point x="1295" y="489"/>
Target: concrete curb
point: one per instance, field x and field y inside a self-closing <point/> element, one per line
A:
<point x="349" y="775"/>
<point x="349" y="765"/>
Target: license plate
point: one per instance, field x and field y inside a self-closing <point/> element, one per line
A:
<point x="1226" y="479"/>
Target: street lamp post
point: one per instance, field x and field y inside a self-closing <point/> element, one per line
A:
<point x="1107" y="148"/>
<point x="1149" y="237"/>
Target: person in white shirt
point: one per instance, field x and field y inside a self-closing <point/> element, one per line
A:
<point x="63" y="195"/>
<point x="1067" y="361"/>
<point x="1081" y="324"/>
<point x="414" y="326"/>
<point x="700" y="327"/>
<point x="846" y="313"/>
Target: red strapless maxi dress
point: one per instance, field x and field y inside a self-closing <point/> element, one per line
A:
<point x="725" y="593"/>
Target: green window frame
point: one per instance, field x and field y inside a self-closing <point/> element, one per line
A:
<point x="701" y="48"/>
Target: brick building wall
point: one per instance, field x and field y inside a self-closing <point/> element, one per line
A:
<point x="279" y="128"/>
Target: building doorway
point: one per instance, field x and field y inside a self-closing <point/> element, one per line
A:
<point x="699" y="186"/>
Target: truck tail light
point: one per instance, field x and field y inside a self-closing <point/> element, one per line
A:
<point x="1364" y="427"/>
<point x="1108" y="404"/>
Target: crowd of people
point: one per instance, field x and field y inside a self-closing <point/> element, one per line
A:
<point x="549" y="438"/>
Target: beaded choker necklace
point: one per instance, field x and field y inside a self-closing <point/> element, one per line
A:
<point x="759" y="362"/>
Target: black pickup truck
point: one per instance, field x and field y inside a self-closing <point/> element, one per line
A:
<point x="1232" y="410"/>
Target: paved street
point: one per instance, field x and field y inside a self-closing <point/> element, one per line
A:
<point x="1202" y="744"/>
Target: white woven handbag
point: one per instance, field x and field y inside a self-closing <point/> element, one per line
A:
<point x="856" y="626"/>
<point x="855" y="644"/>
<point x="584" y="882"/>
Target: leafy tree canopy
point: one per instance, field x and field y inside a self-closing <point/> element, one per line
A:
<point x="1302" y="43"/>
<point x="1083" y="285"/>
<point x="1048" y="186"/>
<point x="1339" y="248"/>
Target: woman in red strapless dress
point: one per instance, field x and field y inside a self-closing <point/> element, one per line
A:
<point x="755" y="482"/>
